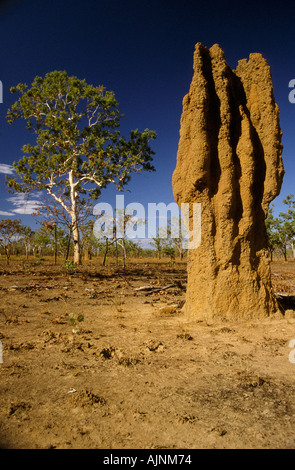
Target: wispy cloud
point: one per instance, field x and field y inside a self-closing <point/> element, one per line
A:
<point x="5" y="213"/>
<point x="22" y="204"/>
<point x="6" y="169"/>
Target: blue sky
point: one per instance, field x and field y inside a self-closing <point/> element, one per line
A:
<point x="143" y="51"/>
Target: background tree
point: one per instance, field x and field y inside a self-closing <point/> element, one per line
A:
<point x="55" y="214"/>
<point x="27" y="237"/>
<point x="10" y="230"/>
<point x="78" y="148"/>
<point x="57" y="239"/>
<point x="166" y="243"/>
<point x="289" y="219"/>
<point x="42" y="241"/>
<point x="114" y="242"/>
<point x="281" y="229"/>
<point x="90" y="244"/>
<point x="158" y="242"/>
<point x="181" y="242"/>
<point x="286" y="225"/>
<point x="272" y="228"/>
<point x="133" y="248"/>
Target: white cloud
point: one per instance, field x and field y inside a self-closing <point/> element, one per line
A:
<point x="22" y="204"/>
<point x="27" y="209"/>
<point x="5" y="213"/>
<point x="6" y="169"/>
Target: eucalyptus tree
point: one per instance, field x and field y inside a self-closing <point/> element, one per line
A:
<point x="287" y="224"/>
<point x="78" y="149"/>
<point x="27" y="237"/>
<point x="10" y="231"/>
<point x="272" y="224"/>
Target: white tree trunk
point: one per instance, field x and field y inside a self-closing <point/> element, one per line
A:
<point x="75" y="229"/>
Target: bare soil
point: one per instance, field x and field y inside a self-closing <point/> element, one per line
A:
<point x="138" y="375"/>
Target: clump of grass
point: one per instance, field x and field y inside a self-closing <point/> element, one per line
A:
<point x="118" y="299"/>
<point x="70" y="266"/>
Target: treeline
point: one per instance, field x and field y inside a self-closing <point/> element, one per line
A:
<point x="53" y="239"/>
<point x="56" y="240"/>
<point x="281" y="229"/>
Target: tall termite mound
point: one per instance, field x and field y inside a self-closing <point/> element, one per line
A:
<point x="230" y="160"/>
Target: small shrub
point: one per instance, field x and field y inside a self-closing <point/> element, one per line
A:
<point x="70" y="266"/>
<point x="75" y="320"/>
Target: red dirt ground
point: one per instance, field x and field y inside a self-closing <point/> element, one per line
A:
<point x="138" y="375"/>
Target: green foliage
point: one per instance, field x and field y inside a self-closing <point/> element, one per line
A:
<point x="77" y="129"/>
<point x="70" y="266"/>
<point x="10" y="231"/>
<point x="169" y="251"/>
<point x="281" y="229"/>
<point x="272" y="226"/>
<point x="78" y="149"/>
<point x="167" y="244"/>
<point x="33" y="263"/>
<point x="75" y="319"/>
